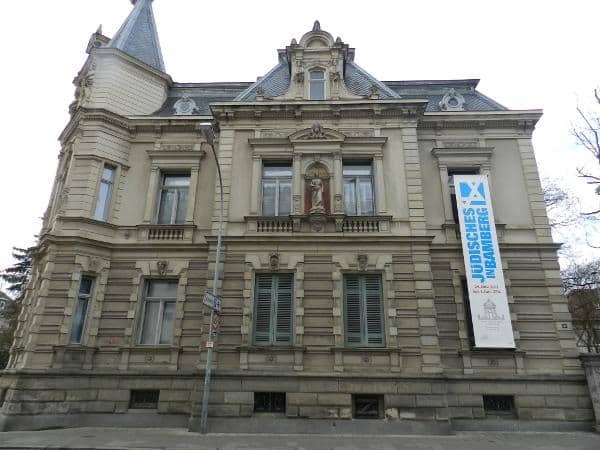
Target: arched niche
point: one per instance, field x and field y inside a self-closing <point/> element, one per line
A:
<point x="317" y="171"/>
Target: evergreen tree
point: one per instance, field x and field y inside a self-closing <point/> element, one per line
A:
<point x="17" y="277"/>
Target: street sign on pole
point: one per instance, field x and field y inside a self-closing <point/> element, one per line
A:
<point x="212" y="301"/>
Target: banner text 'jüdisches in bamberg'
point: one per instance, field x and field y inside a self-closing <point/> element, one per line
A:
<point x="490" y="314"/>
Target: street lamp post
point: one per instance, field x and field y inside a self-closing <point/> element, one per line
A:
<point x="208" y="133"/>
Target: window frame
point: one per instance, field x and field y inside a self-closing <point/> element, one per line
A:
<point x="365" y="335"/>
<point x="358" y="207"/>
<point x="322" y="81"/>
<point x="274" y="311"/>
<point x="174" y="208"/>
<point x="88" y="300"/>
<point x="277" y="179"/>
<point x="160" y="316"/>
<point x="105" y="216"/>
<point x="452" y="187"/>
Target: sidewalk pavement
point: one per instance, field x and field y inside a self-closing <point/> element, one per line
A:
<point x="179" y="438"/>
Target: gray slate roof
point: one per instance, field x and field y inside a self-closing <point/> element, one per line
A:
<point x="138" y="36"/>
<point x="277" y="81"/>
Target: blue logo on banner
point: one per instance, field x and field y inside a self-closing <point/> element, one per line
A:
<point x="478" y="234"/>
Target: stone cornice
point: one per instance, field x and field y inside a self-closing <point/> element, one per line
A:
<point x="307" y="110"/>
<point x="523" y="121"/>
<point x="132" y="125"/>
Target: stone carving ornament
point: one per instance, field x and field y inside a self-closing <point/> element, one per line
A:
<point x="316" y="186"/>
<point x="162" y="266"/>
<point x="185" y="106"/>
<point x="316" y="131"/>
<point x="452" y="101"/>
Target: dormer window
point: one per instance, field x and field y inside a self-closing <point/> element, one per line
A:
<point x="316" y="89"/>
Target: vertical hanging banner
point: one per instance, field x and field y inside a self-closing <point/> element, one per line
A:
<point x="492" y="326"/>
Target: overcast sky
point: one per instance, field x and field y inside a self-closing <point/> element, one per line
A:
<point x="528" y="55"/>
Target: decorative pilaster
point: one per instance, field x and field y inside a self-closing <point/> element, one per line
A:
<point x="151" y="194"/>
<point x="297" y="185"/>
<point x="338" y="178"/>
<point x="191" y="207"/>
<point x="446" y="193"/>
<point x="379" y="185"/>
<point x="255" y="182"/>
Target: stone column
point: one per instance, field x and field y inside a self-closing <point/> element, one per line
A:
<point x="255" y="183"/>
<point x="297" y="184"/>
<point x="591" y="365"/>
<point x="152" y="194"/>
<point x="379" y="185"/>
<point x="338" y="177"/>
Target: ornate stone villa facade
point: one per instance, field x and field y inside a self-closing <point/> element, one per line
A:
<point x="343" y="278"/>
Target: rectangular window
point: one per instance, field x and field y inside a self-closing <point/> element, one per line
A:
<point x="358" y="190"/>
<point x="273" y="309"/>
<point x="104" y="193"/>
<point x="173" y="198"/>
<point x="144" y="399"/>
<point x="158" y="313"/>
<point x="467" y="306"/>
<point x="367" y="406"/>
<point x="451" y="174"/>
<point x="272" y="402"/>
<point x="277" y="189"/>
<point x="81" y="308"/>
<point x="499" y="405"/>
<point x="316" y="85"/>
<point x="363" y="311"/>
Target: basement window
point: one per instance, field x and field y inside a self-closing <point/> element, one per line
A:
<point x="499" y="405"/>
<point x="367" y="406"/>
<point x="144" y="399"/>
<point x="269" y="402"/>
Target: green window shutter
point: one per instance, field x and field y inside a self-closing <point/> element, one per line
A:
<point x="352" y="310"/>
<point x="283" y="304"/>
<point x="262" y="308"/>
<point x="374" y="310"/>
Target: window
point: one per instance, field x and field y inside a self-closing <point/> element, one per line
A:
<point x="81" y="308"/>
<point x="173" y="198"/>
<point x="316" y="80"/>
<point x="158" y="313"/>
<point x="367" y="406"/>
<point x="499" y="405"/>
<point x="467" y="306"/>
<point x="451" y="174"/>
<point x="273" y="309"/>
<point x="272" y="402"/>
<point x="363" y="310"/>
<point x="277" y="189"/>
<point x="144" y="399"/>
<point x="358" y="190"/>
<point x="104" y="193"/>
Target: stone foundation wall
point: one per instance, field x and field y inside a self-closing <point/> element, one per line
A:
<point x="434" y="399"/>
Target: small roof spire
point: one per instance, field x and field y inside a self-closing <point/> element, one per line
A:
<point x="138" y="36"/>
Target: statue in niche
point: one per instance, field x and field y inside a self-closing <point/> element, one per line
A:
<point x="316" y="186"/>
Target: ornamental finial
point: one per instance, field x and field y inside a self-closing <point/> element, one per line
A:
<point x="316" y="26"/>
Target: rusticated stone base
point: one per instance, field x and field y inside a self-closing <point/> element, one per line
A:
<point x="66" y="399"/>
<point x="591" y="365"/>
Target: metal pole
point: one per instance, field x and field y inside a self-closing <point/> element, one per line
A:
<point x="208" y="370"/>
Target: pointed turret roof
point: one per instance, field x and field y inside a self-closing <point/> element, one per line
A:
<point x="138" y="36"/>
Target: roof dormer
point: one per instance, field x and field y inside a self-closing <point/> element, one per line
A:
<point x="318" y="68"/>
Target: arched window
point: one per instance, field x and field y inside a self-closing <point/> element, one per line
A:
<point x="316" y="85"/>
